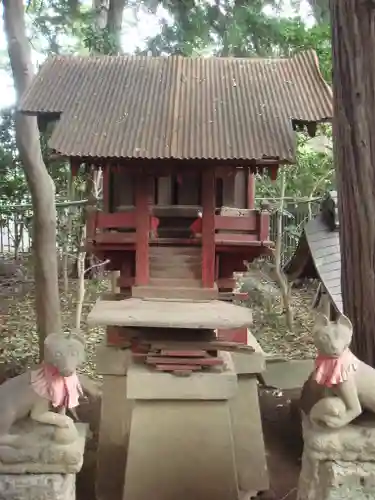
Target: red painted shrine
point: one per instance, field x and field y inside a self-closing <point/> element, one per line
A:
<point x="178" y="142"/>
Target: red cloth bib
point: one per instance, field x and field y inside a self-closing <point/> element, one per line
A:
<point x="330" y="370"/>
<point x="61" y="391"/>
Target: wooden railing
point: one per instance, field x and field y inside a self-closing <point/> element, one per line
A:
<point x="117" y="220"/>
<point x="242" y="229"/>
<point x="253" y="227"/>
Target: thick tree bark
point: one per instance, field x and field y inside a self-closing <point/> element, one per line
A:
<point x="353" y="37"/>
<point x="40" y="183"/>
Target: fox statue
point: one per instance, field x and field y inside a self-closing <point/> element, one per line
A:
<point x="348" y="384"/>
<point x="54" y="383"/>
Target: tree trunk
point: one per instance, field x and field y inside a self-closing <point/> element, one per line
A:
<point x="39" y="181"/>
<point x="320" y="10"/>
<point x="353" y="38"/>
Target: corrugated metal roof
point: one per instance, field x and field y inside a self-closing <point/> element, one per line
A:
<point x="319" y="246"/>
<point x="176" y="107"/>
<point x="325" y="250"/>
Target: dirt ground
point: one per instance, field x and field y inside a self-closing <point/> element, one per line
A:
<point x="282" y="438"/>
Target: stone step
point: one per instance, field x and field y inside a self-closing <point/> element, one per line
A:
<point x="179" y="293"/>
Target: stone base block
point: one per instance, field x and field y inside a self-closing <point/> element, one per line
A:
<point x="353" y="443"/>
<point x="250" y="363"/>
<point x="37" y="486"/>
<point x="116" y="412"/>
<point x="338" y="464"/>
<point x="143" y="383"/>
<point x="250" y="454"/>
<point x="337" y="480"/>
<point x="34" y="450"/>
<point x="181" y="450"/>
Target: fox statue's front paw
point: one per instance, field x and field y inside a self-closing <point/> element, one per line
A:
<point x="66" y="435"/>
<point x="329" y="411"/>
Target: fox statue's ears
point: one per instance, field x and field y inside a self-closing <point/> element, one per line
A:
<point x="322" y="320"/>
<point x="345" y="322"/>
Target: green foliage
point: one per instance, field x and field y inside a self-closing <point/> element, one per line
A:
<point x="310" y="177"/>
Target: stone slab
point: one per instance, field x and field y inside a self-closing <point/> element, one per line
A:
<point x="336" y="480"/>
<point x="288" y="374"/>
<point x="40" y="453"/>
<point x="181" y="450"/>
<point x="355" y="442"/>
<point x="145" y="383"/>
<point x="114" y="431"/>
<point x="250" y="363"/>
<point x="37" y="486"/>
<point x="249" y="450"/>
<point x="112" y="360"/>
<point x="169" y="314"/>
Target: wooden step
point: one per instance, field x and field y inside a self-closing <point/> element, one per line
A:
<point x="175" y="273"/>
<point x="176" y="258"/>
<point x="176" y="283"/>
<point x="175" y="250"/>
<point x="175" y="270"/>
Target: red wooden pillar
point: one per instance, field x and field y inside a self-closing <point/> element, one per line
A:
<point x="142" y="211"/>
<point x="208" y="227"/>
<point x="250" y="189"/>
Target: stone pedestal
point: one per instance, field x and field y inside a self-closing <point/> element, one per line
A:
<point x="41" y="469"/>
<point x="338" y="465"/>
<point x="181" y="439"/>
<point x="249" y="447"/>
<point x="38" y="487"/>
<point x="116" y="408"/>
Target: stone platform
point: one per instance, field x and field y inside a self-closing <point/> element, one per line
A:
<point x="38" y="468"/>
<point x="167" y="313"/>
<point x="338" y="465"/>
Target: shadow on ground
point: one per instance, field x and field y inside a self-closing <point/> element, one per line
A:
<point x="282" y="438"/>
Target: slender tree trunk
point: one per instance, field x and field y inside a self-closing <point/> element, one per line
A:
<point x="353" y="37"/>
<point x="39" y="181"/>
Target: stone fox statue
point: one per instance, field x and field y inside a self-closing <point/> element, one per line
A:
<point x="53" y="383"/>
<point x="348" y="383"/>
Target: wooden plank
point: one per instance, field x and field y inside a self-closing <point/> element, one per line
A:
<point x="117" y="220"/>
<point x="157" y="360"/>
<point x="178" y="368"/>
<point x="232" y="238"/>
<point x="219" y="345"/>
<point x="233" y="296"/>
<point x="106" y="187"/>
<point x="250" y="189"/>
<point x="263" y="225"/>
<point x="240" y="188"/>
<point x="228" y="189"/>
<point x="114" y="238"/>
<point x="226" y="283"/>
<point x="164" y="188"/>
<point x="182" y="354"/>
<point x="231" y="223"/>
<point x="91" y="215"/>
<point x="189" y="188"/>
